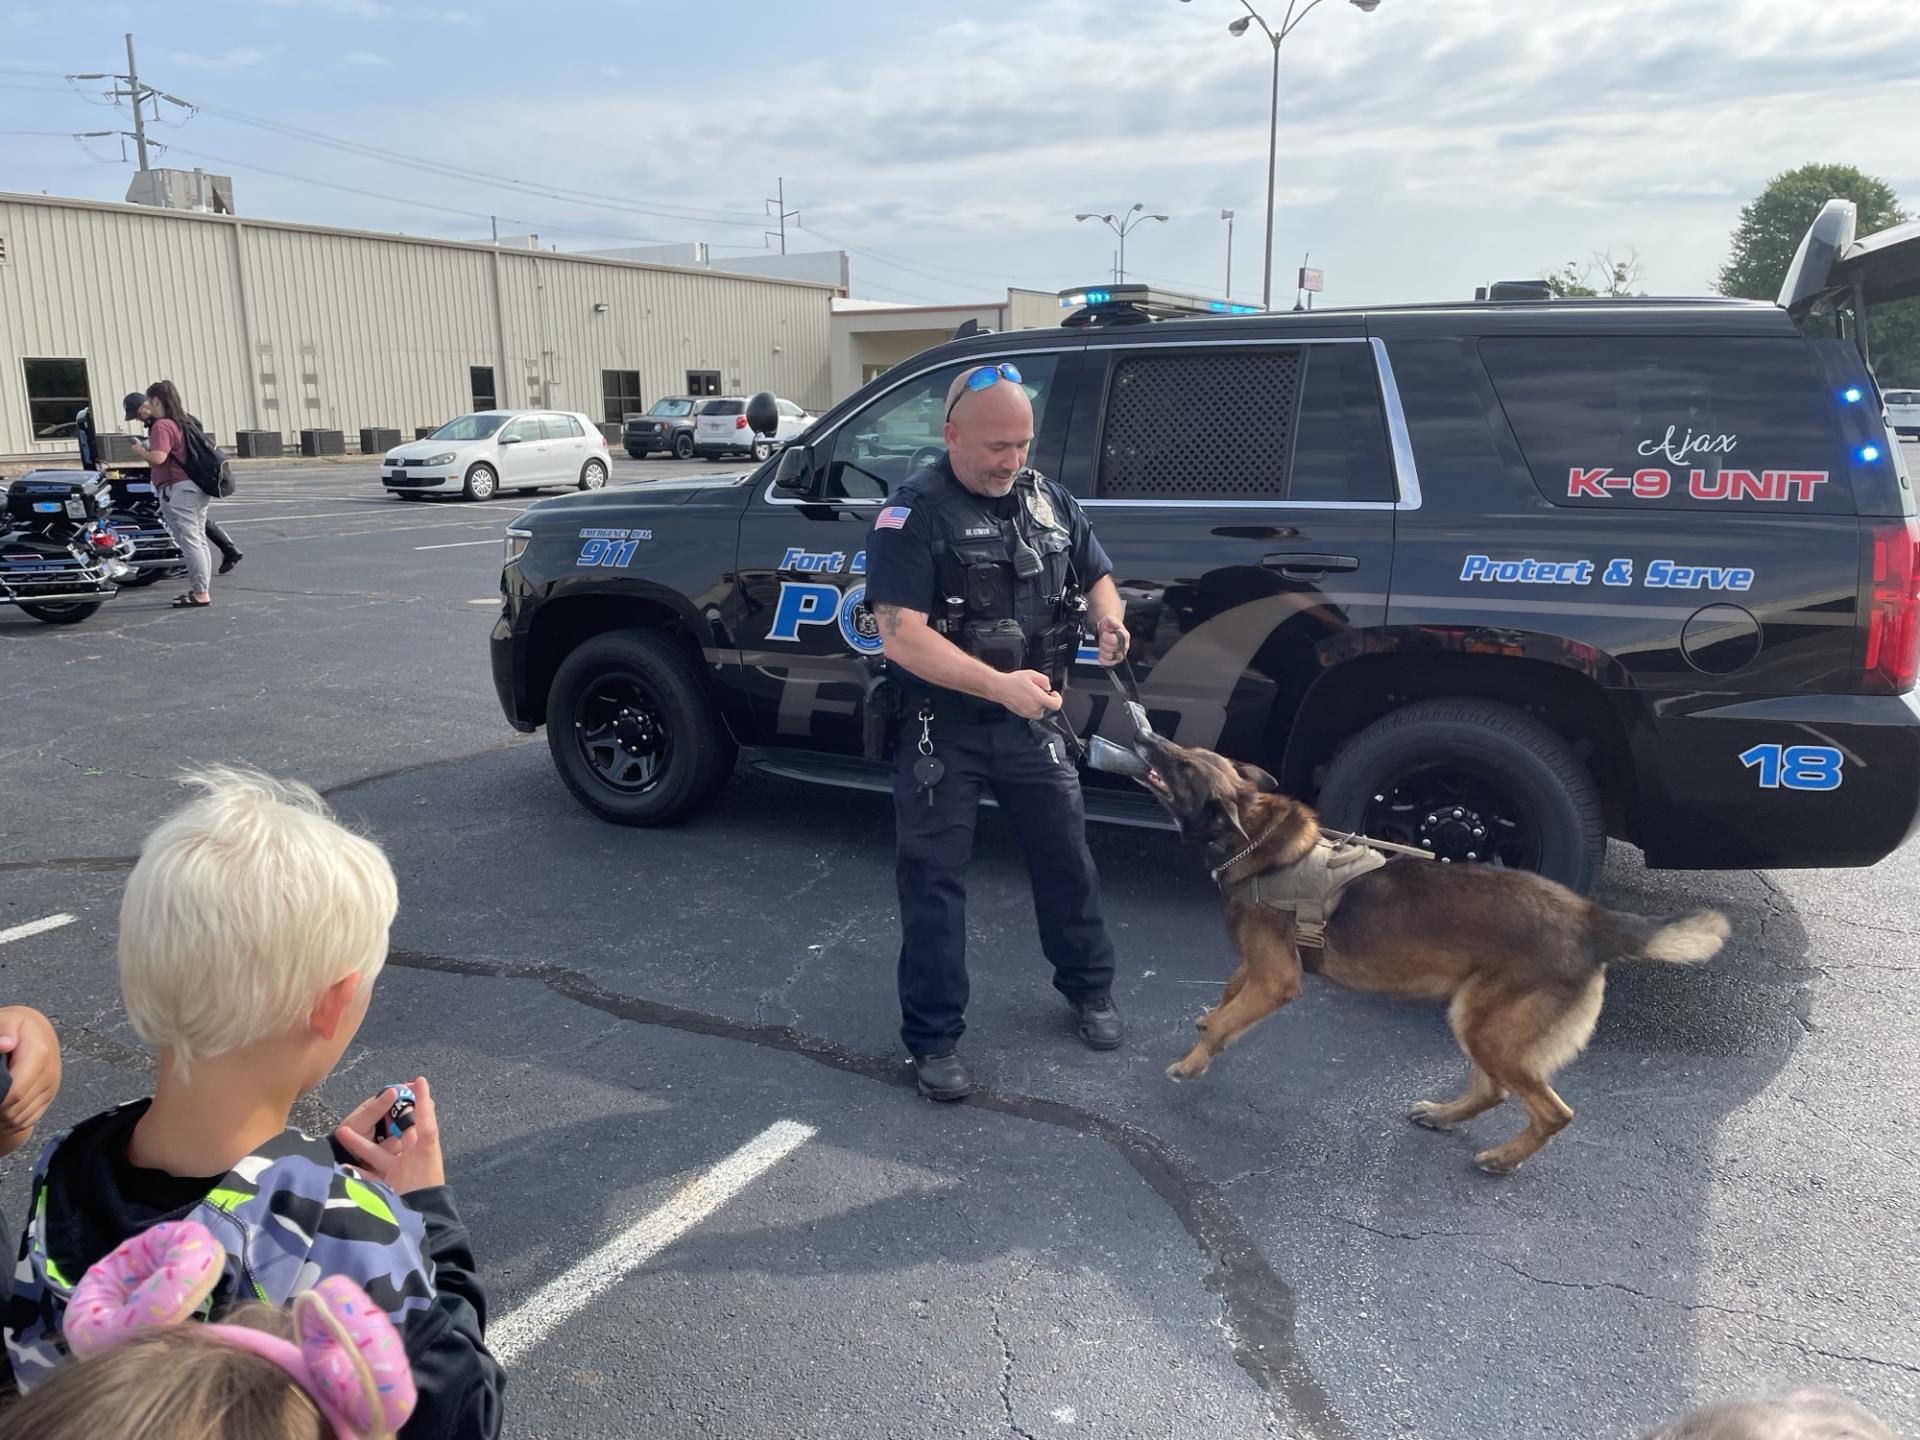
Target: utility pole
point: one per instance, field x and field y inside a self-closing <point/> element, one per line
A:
<point x="128" y="87"/>
<point x="138" y="96"/>
<point x="1227" y="215"/>
<point x="779" y="207"/>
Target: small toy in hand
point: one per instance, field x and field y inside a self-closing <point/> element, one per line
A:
<point x="400" y="1118"/>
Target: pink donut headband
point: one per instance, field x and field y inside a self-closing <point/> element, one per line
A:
<point x="346" y="1354"/>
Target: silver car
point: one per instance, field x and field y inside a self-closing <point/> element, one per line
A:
<point x="1903" y="413"/>
<point x="493" y="450"/>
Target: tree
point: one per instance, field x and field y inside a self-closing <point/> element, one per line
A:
<point x="1770" y="231"/>
<point x="1601" y="275"/>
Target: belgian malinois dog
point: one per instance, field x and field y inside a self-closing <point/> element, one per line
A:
<point x="1521" y="960"/>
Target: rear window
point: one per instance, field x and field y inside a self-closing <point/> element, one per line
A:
<point x="724" y="407"/>
<point x="1903" y="397"/>
<point x="1672" y="422"/>
<point x="1279" y="423"/>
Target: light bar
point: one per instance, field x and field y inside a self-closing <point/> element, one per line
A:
<point x="1160" y="304"/>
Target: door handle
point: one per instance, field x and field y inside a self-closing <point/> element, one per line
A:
<point x="1304" y="566"/>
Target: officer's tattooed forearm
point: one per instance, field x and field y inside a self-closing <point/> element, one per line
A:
<point x="889" y="618"/>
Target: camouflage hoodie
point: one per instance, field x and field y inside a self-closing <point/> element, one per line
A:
<point x="287" y="1215"/>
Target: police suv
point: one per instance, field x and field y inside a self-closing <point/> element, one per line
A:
<point x="1499" y="580"/>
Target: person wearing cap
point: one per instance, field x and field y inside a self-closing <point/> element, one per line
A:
<point x="983" y="575"/>
<point x="138" y="407"/>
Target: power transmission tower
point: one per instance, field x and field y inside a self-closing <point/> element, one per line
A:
<point x="128" y="87"/>
<point x="779" y="207"/>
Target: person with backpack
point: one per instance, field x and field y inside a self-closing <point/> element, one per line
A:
<point x="183" y="501"/>
<point x="138" y="407"/>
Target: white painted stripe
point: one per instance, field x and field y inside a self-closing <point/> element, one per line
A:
<point x="35" y="927"/>
<point x="456" y="544"/>
<point x="515" y="1335"/>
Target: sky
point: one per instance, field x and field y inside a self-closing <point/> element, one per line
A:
<point x="1424" y="149"/>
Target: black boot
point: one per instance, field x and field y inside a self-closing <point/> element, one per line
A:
<point x="231" y="559"/>
<point x="942" y="1077"/>
<point x="1099" y="1024"/>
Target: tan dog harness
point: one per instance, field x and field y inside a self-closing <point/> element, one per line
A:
<point x="1311" y="889"/>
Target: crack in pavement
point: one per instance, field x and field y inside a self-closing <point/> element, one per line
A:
<point x="1259" y="1305"/>
<point x="1006" y="1354"/>
<point x="1689" y="1306"/>
<point x="1414" y="1234"/>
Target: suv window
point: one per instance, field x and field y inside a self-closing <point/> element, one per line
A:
<point x="1672" y="421"/>
<point x="672" y="408"/>
<point x="876" y="449"/>
<point x="1903" y="397"/>
<point x="724" y="407"/>
<point x="563" y="427"/>
<point x="1280" y="422"/>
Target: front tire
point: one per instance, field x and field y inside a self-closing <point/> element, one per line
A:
<point x="593" y="475"/>
<point x="683" y="446"/>
<point x="481" y="484"/>
<point x="1475" y="782"/>
<point x="71" y="614"/>
<point x="634" y="731"/>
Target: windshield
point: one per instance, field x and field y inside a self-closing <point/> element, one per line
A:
<point x="724" y="407"/>
<point x="672" y="407"/>
<point x="470" y="427"/>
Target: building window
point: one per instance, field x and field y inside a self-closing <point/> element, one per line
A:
<point x="56" y="394"/>
<point x="620" y="389"/>
<point x="480" y="378"/>
<point x="703" y="382"/>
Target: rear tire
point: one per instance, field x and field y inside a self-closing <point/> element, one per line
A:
<point x="62" y="614"/>
<point x="593" y="475"/>
<point x="633" y="454"/>
<point x="1408" y="775"/>
<point x="683" y="446"/>
<point x="634" y="731"/>
<point x="481" y="483"/>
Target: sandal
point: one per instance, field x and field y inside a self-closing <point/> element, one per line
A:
<point x="187" y="602"/>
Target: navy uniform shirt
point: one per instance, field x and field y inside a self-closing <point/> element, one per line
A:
<point x="900" y="568"/>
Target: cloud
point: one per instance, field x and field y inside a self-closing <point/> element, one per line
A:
<point x="358" y="9"/>
<point x="237" y="57"/>
<point x="365" y="58"/>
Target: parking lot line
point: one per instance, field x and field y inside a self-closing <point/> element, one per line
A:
<point x="35" y="927"/>
<point x="456" y="544"/>
<point x="513" y="1336"/>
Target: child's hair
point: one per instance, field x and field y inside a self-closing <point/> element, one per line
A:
<point x="178" y="1382"/>
<point x="246" y="904"/>
<point x="1802" y="1415"/>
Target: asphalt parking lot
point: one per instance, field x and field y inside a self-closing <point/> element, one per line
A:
<point x="608" y="1014"/>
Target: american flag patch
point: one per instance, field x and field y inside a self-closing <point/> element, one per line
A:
<point x="894" y="517"/>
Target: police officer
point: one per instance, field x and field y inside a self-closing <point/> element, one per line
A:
<point x="982" y="574"/>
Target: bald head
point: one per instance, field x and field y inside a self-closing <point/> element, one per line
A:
<point x="988" y="433"/>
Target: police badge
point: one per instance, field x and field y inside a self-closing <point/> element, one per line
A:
<point x="1041" y="509"/>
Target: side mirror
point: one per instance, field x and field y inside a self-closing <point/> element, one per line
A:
<point x="509" y="439"/>
<point x="794" y="474"/>
<point x="763" y="413"/>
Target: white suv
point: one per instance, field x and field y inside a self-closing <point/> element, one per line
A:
<point x="721" y="429"/>
<point x="1903" y="413"/>
<point x="494" y="450"/>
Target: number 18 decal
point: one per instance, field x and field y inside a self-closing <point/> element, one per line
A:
<point x="1795" y="767"/>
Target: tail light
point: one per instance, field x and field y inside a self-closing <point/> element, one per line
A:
<point x="1892" y="658"/>
<point x="105" y="540"/>
<point x="739" y="422"/>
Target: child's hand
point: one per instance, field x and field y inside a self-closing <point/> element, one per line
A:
<point x="404" y="1163"/>
<point x="31" y="1052"/>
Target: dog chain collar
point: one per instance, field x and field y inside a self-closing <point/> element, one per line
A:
<point x="1265" y="836"/>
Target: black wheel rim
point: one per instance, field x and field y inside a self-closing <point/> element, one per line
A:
<point x="623" y="735"/>
<point x="1462" y="812"/>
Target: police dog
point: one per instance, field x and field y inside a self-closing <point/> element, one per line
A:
<point x="1521" y="960"/>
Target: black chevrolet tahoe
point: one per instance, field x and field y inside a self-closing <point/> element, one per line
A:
<point x="1499" y="579"/>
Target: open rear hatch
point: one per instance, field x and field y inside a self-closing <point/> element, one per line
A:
<point x="1832" y="267"/>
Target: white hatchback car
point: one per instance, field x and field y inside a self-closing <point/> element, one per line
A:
<point x="494" y="450"/>
<point x="721" y="429"/>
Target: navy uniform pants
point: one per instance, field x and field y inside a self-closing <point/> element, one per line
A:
<point x="1040" y="794"/>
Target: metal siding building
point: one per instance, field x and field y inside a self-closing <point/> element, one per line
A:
<point x="271" y="326"/>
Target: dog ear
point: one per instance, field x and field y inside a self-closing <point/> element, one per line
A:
<point x="1258" y="778"/>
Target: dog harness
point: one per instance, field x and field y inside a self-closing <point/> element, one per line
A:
<point x="1311" y="889"/>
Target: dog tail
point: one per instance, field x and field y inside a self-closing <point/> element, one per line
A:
<point x="1673" y="940"/>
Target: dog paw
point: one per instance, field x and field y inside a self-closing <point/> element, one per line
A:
<point x="1426" y="1113"/>
<point x="1200" y="1021"/>
<point x="1495" y="1163"/>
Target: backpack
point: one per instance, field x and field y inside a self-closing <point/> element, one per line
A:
<point x="203" y="462"/>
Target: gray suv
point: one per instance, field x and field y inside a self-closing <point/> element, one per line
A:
<point x="667" y="427"/>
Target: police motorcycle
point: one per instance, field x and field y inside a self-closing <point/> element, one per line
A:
<point x="133" y="511"/>
<point x="59" y="559"/>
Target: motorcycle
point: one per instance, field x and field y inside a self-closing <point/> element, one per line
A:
<point x="59" y="561"/>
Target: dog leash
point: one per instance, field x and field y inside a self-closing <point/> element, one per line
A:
<point x="1335" y="837"/>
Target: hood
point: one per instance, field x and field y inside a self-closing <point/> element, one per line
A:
<point x="422" y="449"/>
<point x="725" y="492"/>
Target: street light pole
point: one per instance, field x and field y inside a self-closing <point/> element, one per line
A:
<point x="1121" y="225"/>
<point x="1227" y="215"/>
<point x="1278" y="38"/>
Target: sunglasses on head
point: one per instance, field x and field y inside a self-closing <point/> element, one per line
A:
<point x="985" y="378"/>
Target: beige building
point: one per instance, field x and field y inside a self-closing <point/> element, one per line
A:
<point x="870" y="339"/>
<point x="271" y="326"/>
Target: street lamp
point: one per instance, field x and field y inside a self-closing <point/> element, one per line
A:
<point x="1227" y="215"/>
<point x="1121" y="225"/>
<point x="1278" y="37"/>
